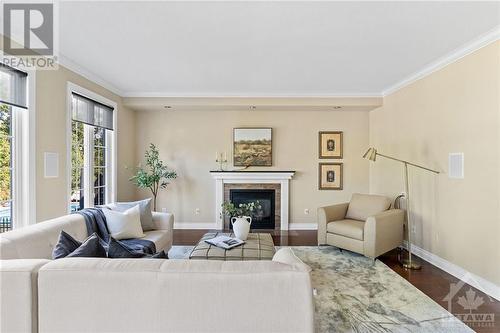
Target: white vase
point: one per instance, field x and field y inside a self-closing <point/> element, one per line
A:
<point x="241" y="226"/>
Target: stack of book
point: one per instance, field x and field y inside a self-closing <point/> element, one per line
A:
<point x="225" y="242"/>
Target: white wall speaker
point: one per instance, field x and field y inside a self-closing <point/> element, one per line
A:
<point x="456" y="165"/>
<point x="51" y="163"/>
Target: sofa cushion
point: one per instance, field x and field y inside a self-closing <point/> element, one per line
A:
<point x="65" y="245"/>
<point x="91" y="247"/>
<point x="124" y="225"/>
<point x="159" y="237"/>
<point x="362" y="206"/>
<point x="347" y="228"/>
<point x="19" y="290"/>
<point x="144" y="208"/>
<point x="288" y="257"/>
<point x="38" y="240"/>
<point x="8" y="249"/>
<point x="141" y="295"/>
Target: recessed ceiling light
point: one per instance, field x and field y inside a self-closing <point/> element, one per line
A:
<point x="336" y="107"/>
<point x="167" y="106"/>
<point x="253" y="107"/>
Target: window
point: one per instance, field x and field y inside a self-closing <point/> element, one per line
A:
<point x="91" y="152"/>
<point x="13" y="103"/>
<point x="5" y="167"/>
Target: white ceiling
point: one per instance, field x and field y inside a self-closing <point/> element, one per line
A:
<point x="265" y="48"/>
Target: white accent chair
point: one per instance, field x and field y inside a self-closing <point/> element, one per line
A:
<point x="365" y="225"/>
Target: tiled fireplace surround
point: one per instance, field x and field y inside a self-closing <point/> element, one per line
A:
<point x="275" y="180"/>
<point x="277" y="199"/>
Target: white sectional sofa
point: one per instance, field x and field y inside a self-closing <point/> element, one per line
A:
<point x="145" y="295"/>
<point x="24" y="251"/>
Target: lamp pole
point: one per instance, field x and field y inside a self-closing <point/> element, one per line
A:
<point x="372" y="154"/>
<point x="408" y="263"/>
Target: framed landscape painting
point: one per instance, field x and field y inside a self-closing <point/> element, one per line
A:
<point x="330" y="176"/>
<point x="253" y="147"/>
<point x="330" y="144"/>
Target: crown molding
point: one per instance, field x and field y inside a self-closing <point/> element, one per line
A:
<point x="145" y="94"/>
<point x="91" y="76"/>
<point x="254" y="103"/>
<point x="464" y="50"/>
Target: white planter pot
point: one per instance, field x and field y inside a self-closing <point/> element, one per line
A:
<point x="241" y="226"/>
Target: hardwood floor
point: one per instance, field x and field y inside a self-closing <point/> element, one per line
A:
<point x="431" y="280"/>
<point x="435" y="283"/>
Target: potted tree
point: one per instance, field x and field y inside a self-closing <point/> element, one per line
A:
<point x="155" y="175"/>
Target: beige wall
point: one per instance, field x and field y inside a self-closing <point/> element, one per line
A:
<point x="188" y="141"/>
<point x="51" y="112"/>
<point x="456" y="109"/>
<point x="453" y="110"/>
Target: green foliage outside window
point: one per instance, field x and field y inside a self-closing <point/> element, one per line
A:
<point x="5" y="152"/>
<point x="76" y="155"/>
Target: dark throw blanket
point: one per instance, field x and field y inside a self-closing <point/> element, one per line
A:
<point x="96" y="222"/>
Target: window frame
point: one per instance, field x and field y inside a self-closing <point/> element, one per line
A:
<point x="111" y="154"/>
<point x="23" y="154"/>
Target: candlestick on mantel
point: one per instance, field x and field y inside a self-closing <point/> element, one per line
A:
<point x="221" y="159"/>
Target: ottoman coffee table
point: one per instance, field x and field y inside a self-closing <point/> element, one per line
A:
<point x="258" y="246"/>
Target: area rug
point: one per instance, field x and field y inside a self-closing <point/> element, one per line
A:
<point x="354" y="294"/>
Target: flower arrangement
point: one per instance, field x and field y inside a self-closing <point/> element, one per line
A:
<point x="246" y="209"/>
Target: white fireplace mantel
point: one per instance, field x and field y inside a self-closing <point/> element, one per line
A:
<point x="252" y="177"/>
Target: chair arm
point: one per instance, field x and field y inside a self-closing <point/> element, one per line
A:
<point x="19" y="301"/>
<point x="383" y="232"/>
<point x="163" y="221"/>
<point x="328" y="214"/>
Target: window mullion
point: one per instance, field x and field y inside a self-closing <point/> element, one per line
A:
<point x="88" y="167"/>
<point x="17" y="219"/>
<point x="108" y="159"/>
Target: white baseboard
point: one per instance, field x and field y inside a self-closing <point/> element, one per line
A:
<point x="472" y="279"/>
<point x="194" y="225"/>
<point x="302" y="226"/>
<point x="202" y="225"/>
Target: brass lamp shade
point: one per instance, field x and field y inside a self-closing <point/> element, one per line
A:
<point x="371" y="154"/>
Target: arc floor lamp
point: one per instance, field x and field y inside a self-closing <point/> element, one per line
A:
<point x="371" y="154"/>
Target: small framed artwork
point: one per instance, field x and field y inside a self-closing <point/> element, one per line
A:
<point x="330" y="176"/>
<point x="330" y="144"/>
<point x="253" y="147"/>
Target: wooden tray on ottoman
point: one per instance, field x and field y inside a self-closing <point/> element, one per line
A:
<point x="258" y="246"/>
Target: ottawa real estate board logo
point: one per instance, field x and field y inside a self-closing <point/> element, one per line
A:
<point x="29" y="36"/>
<point x="469" y="306"/>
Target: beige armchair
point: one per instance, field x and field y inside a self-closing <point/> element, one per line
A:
<point x="365" y="225"/>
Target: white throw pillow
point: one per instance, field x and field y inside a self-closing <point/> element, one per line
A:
<point x="124" y="225"/>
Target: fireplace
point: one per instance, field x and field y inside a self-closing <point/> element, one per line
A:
<point x="225" y="181"/>
<point x="264" y="218"/>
